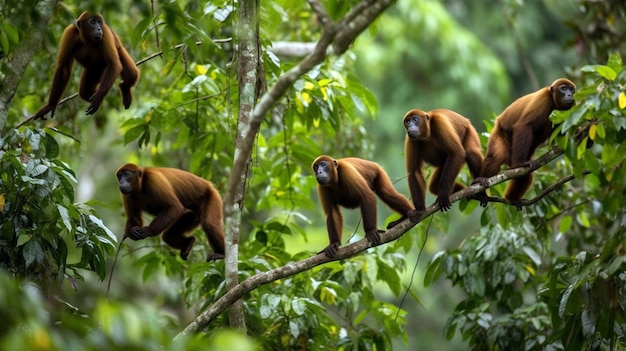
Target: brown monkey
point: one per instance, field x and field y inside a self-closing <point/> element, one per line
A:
<point x="353" y="182"/>
<point x="97" y="48"/>
<point x="179" y="200"/>
<point x="519" y="130"/>
<point x="445" y="140"/>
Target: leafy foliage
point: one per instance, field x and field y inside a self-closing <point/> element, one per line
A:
<point x="548" y="278"/>
<point x="45" y="236"/>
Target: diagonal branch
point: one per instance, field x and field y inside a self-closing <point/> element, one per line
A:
<point x="347" y="251"/>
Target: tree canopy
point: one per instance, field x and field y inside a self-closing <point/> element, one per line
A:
<point x="247" y="95"/>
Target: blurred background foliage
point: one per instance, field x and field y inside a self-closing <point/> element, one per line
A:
<point x="549" y="277"/>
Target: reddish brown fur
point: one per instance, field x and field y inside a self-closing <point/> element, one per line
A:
<point x="519" y="130"/>
<point x="353" y="182"/>
<point x="445" y="140"/>
<point x="180" y="201"/>
<point x="103" y="61"/>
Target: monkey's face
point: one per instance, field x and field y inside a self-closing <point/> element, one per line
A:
<point x="565" y="95"/>
<point x="129" y="181"/>
<point x="414" y="125"/>
<point x="94" y="26"/>
<point x="322" y="171"/>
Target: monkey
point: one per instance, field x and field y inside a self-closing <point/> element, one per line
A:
<point x="179" y="200"/>
<point x="354" y="182"/>
<point x="96" y="47"/>
<point x="518" y="131"/>
<point x="444" y="139"/>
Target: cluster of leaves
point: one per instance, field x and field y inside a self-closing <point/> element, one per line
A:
<point x="44" y="236"/>
<point x="555" y="282"/>
<point x="30" y="322"/>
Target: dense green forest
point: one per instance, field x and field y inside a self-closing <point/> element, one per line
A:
<point x="247" y="95"/>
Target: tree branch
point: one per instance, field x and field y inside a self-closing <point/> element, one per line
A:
<point x="292" y="48"/>
<point x="355" y="248"/>
<point x="321" y="13"/>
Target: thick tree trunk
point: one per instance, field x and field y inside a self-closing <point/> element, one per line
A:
<point x="250" y="78"/>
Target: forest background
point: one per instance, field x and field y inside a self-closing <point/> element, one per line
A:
<point x="239" y="94"/>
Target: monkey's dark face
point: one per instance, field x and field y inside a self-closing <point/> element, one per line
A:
<point x="94" y="27"/>
<point x="414" y="126"/>
<point x="562" y="91"/>
<point x="126" y="178"/>
<point x="322" y="171"/>
<point x="565" y="95"/>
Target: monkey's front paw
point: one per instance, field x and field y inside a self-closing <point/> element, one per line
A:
<point x="138" y="233"/>
<point x="517" y="203"/>
<point x="331" y="250"/>
<point x="444" y="203"/>
<point x="374" y="236"/>
<point x="416" y="214"/>
<point x="482" y="197"/>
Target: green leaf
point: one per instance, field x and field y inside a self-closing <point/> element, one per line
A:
<point x="588" y="324"/>
<point x="133" y="134"/>
<point x="564" y="299"/>
<point x="607" y="72"/>
<point x="565" y="223"/>
<point x="615" y="62"/>
<point x="11" y="33"/>
<point x="583" y="220"/>
<point x="434" y="269"/>
<point x="23" y="239"/>
<point x="4" y="42"/>
<point x="298" y="306"/>
<point x="65" y="217"/>
<point x="532" y="254"/>
<point x="32" y="252"/>
<point x="52" y="147"/>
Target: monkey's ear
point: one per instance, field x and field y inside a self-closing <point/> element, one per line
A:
<point x="335" y="161"/>
<point x="77" y="24"/>
<point x="427" y="117"/>
<point x="140" y="173"/>
<point x="551" y="91"/>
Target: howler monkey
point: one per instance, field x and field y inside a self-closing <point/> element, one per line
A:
<point x="446" y="140"/>
<point x="519" y="130"/>
<point x="93" y="44"/>
<point x="353" y="182"/>
<point x="179" y="200"/>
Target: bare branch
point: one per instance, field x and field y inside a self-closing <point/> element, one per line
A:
<point x="292" y="49"/>
<point x="321" y="13"/>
